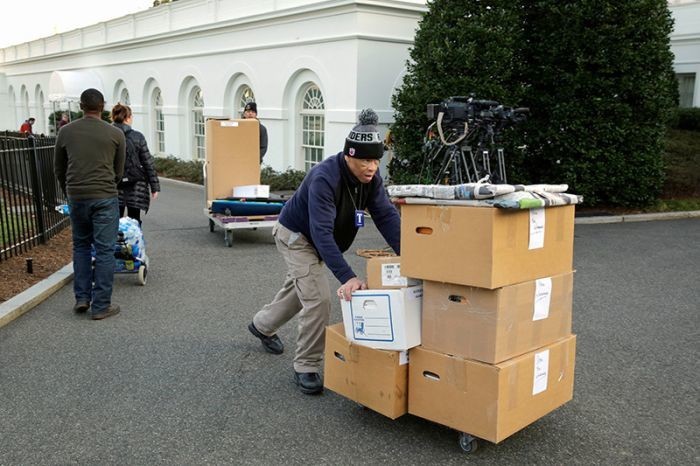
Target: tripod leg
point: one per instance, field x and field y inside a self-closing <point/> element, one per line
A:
<point x="486" y="161"/>
<point x="501" y="166"/>
<point x="444" y="167"/>
<point x="476" y="169"/>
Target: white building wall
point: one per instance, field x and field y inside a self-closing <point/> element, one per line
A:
<point x="685" y="41"/>
<point x="274" y="46"/>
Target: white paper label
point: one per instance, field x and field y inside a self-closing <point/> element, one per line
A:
<point x="539" y="383"/>
<point x="543" y="296"/>
<point x="403" y="358"/>
<point x="229" y="124"/>
<point x="536" y="228"/>
<point x="371" y="318"/>
<point x="391" y="275"/>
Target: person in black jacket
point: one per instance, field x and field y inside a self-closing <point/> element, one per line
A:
<point x="251" y="111"/>
<point x="140" y="182"/>
<point x="315" y="227"/>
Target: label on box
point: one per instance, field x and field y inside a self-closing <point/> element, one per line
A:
<point x="536" y="228"/>
<point x="371" y="318"/>
<point x="403" y="358"/>
<point x="543" y="296"/>
<point x="539" y="383"/>
<point x="229" y="124"/>
<point x="391" y="275"/>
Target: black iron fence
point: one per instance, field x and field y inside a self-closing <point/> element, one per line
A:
<point x="29" y="193"/>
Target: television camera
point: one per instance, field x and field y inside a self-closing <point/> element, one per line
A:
<point x="464" y="132"/>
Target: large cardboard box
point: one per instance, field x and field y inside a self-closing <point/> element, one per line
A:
<point x="494" y="325"/>
<point x="485" y="246"/>
<point x="384" y="319"/>
<point x="232" y="156"/>
<point x="384" y="273"/>
<point x="377" y="379"/>
<point x="488" y="401"/>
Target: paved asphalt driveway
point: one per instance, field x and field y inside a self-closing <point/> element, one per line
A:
<point x="177" y="379"/>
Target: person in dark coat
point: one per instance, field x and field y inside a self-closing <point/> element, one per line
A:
<point x="140" y="182"/>
<point x="251" y="111"/>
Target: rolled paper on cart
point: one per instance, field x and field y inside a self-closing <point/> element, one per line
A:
<point x="243" y="208"/>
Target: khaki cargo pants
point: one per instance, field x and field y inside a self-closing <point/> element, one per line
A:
<point x="306" y="292"/>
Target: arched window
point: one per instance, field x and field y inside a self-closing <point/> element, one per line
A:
<point x="158" y="120"/>
<point x="25" y="104"/>
<point x="246" y="95"/>
<point x="40" y="113"/>
<point x="124" y="97"/>
<point x="197" y="106"/>
<point x="312" y="126"/>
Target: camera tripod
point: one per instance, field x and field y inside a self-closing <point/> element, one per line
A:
<point x="465" y="155"/>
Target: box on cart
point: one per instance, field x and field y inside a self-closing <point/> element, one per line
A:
<point x="384" y="273"/>
<point x="495" y="325"/>
<point x="384" y="319"/>
<point x="485" y="246"/>
<point x="488" y="401"/>
<point x="232" y="156"/>
<point x="377" y="379"/>
<point x="253" y="191"/>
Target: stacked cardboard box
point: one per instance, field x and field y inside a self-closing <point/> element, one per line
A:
<point x="497" y="351"/>
<point x="366" y="357"/>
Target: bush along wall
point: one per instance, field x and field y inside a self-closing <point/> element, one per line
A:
<point x="596" y="74"/>
<point x="192" y="171"/>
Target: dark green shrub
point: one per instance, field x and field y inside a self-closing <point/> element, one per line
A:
<point x="461" y="47"/>
<point x="285" y="181"/>
<point x="185" y="170"/>
<point x="191" y="171"/>
<point x="596" y="74"/>
<point x="686" y="118"/>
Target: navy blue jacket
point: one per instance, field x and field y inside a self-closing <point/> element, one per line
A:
<point x="323" y="210"/>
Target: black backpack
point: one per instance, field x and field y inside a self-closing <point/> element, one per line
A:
<point x="133" y="170"/>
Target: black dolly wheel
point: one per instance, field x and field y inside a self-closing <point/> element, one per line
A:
<point x="211" y="225"/>
<point x="228" y="238"/>
<point x="467" y="443"/>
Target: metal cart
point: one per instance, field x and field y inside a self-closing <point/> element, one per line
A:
<point x="233" y="222"/>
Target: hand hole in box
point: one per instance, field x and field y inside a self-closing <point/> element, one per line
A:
<point x="457" y="299"/>
<point x="431" y="375"/>
<point x="424" y="230"/>
<point x="369" y="305"/>
<point x="339" y="356"/>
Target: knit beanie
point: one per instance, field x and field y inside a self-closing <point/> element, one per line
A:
<point x="364" y="141"/>
<point x="251" y="106"/>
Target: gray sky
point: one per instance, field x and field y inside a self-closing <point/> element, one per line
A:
<point x="23" y="21"/>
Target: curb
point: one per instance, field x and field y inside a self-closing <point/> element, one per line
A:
<point x="637" y="217"/>
<point x="34" y="295"/>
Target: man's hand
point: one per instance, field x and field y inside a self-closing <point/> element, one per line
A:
<point x="154" y="195"/>
<point x="345" y="291"/>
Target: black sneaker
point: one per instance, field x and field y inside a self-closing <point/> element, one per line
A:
<point x="81" y="306"/>
<point x="110" y="311"/>
<point x="309" y="383"/>
<point x="272" y="344"/>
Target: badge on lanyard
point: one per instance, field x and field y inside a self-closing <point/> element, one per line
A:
<point x="359" y="218"/>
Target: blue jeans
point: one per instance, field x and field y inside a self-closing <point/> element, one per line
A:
<point x="94" y="222"/>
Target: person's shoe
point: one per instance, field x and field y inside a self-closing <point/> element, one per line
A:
<point x="81" y="306"/>
<point x="272" y="344"/>
<point x="110" y="311"/>
<point x="309" y="383"/>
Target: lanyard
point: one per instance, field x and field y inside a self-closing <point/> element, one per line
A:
<point x="359" y="214"/>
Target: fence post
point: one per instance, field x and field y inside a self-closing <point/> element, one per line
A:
<point x="37" y="192"/>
